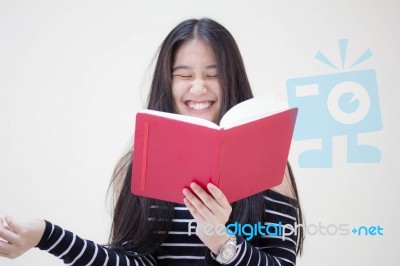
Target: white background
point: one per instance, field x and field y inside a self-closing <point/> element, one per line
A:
<point x="73" y="74"/>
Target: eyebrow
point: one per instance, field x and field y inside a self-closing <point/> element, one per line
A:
<point x="187" y="67"/>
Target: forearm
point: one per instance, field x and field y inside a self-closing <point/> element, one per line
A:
<point x="74" y="250"/>
<point x="269" y="255"/>
<point x="278" y="239"/>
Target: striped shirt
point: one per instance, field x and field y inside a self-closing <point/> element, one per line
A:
<point x="182" y="248"/>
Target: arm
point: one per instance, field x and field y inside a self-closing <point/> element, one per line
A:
<point x="269" y="250"/>
<point x="64" y="244"/>
<point x="274" y="248"/>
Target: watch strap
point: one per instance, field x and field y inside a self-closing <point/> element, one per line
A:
<point x="231" y="243"/>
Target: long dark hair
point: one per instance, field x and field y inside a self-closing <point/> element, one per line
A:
<point x="137" y="225"/>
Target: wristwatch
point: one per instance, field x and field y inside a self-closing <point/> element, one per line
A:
<point x="227" y="251"/>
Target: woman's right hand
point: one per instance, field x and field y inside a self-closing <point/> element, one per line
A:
<point x="16" y="237"/>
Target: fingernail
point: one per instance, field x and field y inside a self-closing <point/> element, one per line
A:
<point x="210" y="186"/>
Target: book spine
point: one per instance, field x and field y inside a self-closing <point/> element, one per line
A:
<point x="145" y="149"/>
<point x="218" y="157"/>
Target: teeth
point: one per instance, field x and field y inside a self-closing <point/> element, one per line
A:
<point x="199" y="106"/>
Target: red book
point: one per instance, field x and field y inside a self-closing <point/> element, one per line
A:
<point x="244" y="155"/>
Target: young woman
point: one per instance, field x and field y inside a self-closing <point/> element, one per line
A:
<point x="199" y="72"/>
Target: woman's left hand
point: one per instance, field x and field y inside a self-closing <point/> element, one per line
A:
<point x="211" y="212"/>
<point x="16" y="237"/>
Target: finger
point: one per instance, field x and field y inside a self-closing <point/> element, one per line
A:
<point x="5" y="248"/>
<point x="196" y="215"/>
<point x="5" y="255"/>
<point x="4" y="224"/>
<point x="197" y="204"/>
<point x="7" y="234"/>
<point x="204" y="196"/>
<point x="13" y="224"/>
<point x="216" y="210"/>
<point x="219" y="196"/>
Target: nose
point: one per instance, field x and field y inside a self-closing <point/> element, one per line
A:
<point x="198" y="87"/>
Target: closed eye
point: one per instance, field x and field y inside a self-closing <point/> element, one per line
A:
<point x="182" y="76"/>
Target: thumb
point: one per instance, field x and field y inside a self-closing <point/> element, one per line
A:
<point x="12" y="224"/>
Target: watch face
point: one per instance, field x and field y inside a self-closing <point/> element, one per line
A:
<point x="228" y="252"/>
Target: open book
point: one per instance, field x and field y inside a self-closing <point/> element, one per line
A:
<point x="246" y="154"/>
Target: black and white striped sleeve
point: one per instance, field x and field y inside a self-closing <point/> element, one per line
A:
<point x="76" y="251"/>
<point x="275" y="248"/>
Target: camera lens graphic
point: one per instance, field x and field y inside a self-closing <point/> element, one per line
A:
<point x="348" y="102"/>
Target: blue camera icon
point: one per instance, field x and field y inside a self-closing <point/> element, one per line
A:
<point x="337" y="104"/>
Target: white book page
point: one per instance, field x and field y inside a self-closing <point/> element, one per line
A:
<point x="242" y="113"/>
<point x="251" y="110"/>
<point x="183" y="118"/>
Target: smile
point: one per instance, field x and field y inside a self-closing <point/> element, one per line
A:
<point x="198" y="106"/>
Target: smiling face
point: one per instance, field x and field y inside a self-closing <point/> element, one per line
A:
<point x="196" y="89"/>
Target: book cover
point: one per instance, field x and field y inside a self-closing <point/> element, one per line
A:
<point x="241" y="160"/>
